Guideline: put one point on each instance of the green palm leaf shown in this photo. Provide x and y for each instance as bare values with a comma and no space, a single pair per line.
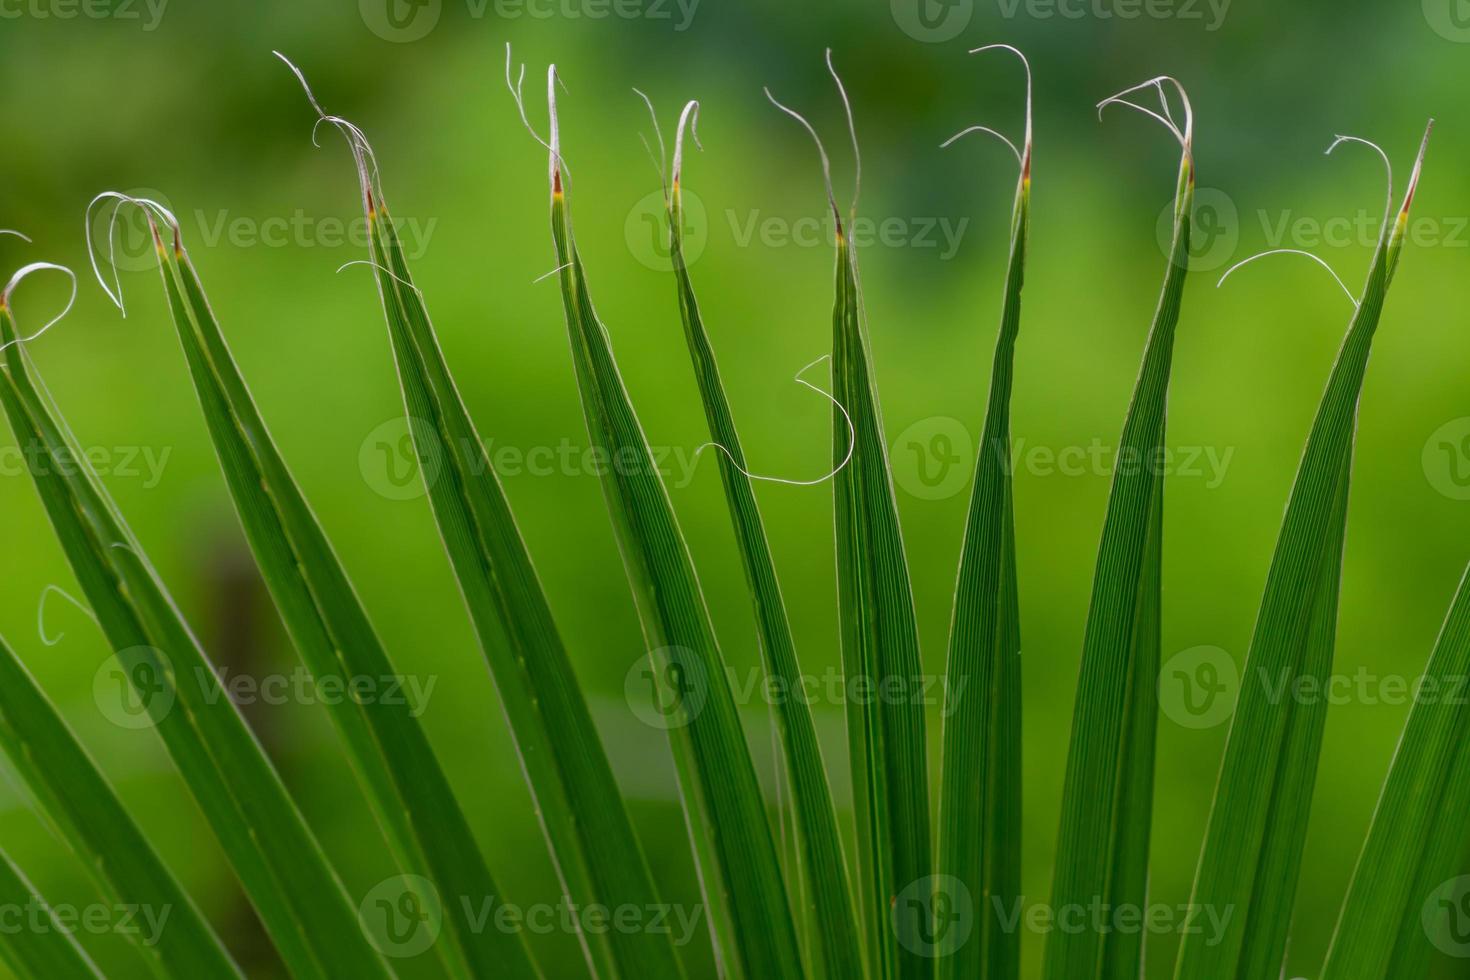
1418,832
880,640
1107,799
818,841
578,801
739,868
1251,858
980,796
78,802
42,947
386,743
285,874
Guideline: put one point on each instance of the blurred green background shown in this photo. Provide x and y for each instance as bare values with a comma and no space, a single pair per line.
187,101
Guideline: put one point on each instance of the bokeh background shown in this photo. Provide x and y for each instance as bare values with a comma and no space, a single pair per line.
184,99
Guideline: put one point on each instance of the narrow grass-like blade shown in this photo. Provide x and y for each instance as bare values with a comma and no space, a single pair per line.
282,867
78,802
1252,851
879,635
385,742
1107,798
41,948
579,805
819,843
980,794
739,868
1418,832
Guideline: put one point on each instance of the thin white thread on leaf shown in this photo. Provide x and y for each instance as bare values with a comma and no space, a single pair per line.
984,129
851,438
387,272
1387,167
1291,251
520,101
857,156
821,150
547,275
18,234
150,209
21,274
41,613
1020,158
657,158
363,157
1166,118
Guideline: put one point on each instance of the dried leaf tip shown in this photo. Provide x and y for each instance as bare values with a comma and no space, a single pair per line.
1023,154
363,157
20,275
1414,174
151,210
1184,135
688,118
554,156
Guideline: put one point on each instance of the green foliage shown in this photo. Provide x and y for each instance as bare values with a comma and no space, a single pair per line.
893,914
